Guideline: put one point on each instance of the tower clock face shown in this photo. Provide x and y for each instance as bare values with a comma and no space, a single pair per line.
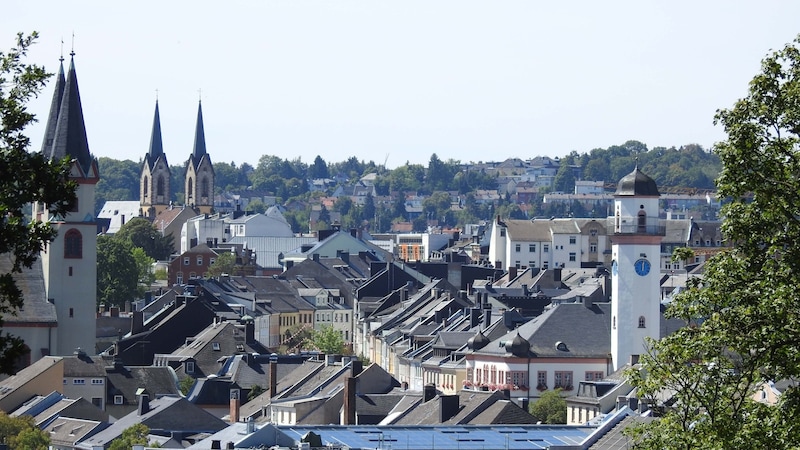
642,267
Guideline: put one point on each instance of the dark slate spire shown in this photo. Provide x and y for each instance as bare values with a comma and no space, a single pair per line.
55,107
199,136
70,133
156,146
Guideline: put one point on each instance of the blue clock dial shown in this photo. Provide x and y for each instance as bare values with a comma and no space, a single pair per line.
614,267
642,267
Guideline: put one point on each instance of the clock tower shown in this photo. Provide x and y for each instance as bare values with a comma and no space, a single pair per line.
635,274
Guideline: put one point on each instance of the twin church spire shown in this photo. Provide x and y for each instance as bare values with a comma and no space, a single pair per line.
155,184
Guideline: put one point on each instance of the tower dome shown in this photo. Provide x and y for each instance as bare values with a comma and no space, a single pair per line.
478,341
637,183
519,346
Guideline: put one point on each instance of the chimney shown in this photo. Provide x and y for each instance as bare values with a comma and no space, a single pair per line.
512,272
315,257
137,322
487,315
144,404
215,445
428,392
356,367
448,407
557,274
525,291
474,317
349,401
235,403
273,378
251,425
249,332
114,311
622,401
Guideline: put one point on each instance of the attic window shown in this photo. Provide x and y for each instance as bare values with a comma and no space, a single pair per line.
215,346
560,346
240,347
189,366
118,399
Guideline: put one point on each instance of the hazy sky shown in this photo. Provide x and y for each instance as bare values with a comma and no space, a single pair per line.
398,81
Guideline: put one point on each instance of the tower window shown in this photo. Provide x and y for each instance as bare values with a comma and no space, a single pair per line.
160,186
204,187
642,322
190,188
71,312
145,186
73,244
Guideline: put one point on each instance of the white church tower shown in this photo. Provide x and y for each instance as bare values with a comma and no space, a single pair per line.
635,274
70,262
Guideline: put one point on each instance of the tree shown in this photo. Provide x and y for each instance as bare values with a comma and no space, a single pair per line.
133,435
743,314
224,263
550,408
328,340
140,232
144,269
682,254
25,178
21,433
318,169
117,275
255,391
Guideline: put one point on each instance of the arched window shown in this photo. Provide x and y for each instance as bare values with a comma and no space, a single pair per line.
190,189
642,322
73,244
146,186
160,185
642,216
204,188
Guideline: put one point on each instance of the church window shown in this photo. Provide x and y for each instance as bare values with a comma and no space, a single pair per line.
71,312
190,188
146,186
160,186
642,216
642,322
204,188
73,244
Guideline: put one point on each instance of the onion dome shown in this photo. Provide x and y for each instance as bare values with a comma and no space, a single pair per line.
637,183
478,341
519,346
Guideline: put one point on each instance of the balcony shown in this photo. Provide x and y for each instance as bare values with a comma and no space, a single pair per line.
639,225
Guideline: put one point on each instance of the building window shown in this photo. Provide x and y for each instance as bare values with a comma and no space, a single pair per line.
97,381
614,322
641,322
546,248
592,248
73,244
215,346
189,366
98,402
517,247
541,379
572,240
502,232
572,256
185,260
594,375
79,381
545,265
179,278
532,264
211,261
199,260
71,312
70,270
593,232
563,380
118,399
517,264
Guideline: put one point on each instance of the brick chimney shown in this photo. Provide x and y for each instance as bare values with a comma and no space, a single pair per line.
273,378
349,401
235,404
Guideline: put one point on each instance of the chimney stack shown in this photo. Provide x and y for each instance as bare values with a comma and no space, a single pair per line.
273,378
448,407
349,401
428,392
144,404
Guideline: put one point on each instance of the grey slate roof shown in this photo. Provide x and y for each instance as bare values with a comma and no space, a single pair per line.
36,308
55,107
84,366
70,132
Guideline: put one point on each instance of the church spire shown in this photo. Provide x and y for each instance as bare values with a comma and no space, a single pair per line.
55,107
70,131
199,136
156,146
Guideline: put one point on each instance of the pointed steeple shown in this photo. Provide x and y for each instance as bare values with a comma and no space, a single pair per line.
199,136
55,107
70,133
156,147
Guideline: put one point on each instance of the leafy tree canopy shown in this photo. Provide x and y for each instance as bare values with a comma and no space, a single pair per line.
140,232
550,408
134,435
117,273
328,340
744,315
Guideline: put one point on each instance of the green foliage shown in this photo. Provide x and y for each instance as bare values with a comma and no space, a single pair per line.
682,254
25,178
133,435
224,263
328,340
185,385
550,408
256,205
21,433
140,232
119,181
144,269
745,322
255,391
160,274
117,273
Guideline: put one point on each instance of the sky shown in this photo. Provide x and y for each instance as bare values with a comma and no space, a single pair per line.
396,81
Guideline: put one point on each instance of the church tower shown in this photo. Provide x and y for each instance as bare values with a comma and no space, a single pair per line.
70,262
199,177
154,184
635,274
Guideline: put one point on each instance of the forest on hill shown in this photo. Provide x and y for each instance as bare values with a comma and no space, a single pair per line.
688,168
